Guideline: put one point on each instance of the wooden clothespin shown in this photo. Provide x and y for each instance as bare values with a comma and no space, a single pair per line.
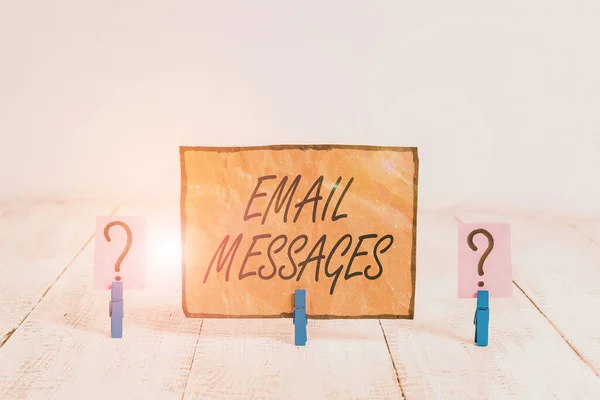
482,318
299,317
115,310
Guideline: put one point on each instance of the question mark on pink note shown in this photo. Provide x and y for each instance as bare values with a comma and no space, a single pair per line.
485,254
127,246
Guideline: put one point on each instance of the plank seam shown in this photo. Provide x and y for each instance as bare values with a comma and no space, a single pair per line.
567,341
581,357
583,233
12,331
393,362
187,378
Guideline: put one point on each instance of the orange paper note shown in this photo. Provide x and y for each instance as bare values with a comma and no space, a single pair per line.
260,222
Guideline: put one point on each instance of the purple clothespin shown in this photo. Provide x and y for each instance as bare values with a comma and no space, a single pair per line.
115,310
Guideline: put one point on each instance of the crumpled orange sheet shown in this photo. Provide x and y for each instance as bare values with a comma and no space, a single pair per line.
260,222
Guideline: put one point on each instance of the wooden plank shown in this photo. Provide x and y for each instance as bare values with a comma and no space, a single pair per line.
558,268
257,359
37,242
435,354
64,349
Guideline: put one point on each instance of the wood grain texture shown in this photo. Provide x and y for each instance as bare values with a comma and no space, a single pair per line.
435,354
558,268
37,242
257,359
63,350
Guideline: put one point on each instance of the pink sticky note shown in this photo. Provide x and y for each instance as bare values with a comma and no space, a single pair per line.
496,268
128,244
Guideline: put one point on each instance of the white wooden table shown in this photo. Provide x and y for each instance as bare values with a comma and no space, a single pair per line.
55,330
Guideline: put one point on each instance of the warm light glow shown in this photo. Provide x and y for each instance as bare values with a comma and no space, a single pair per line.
166,250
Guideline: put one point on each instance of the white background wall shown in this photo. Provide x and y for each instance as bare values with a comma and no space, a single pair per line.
501,97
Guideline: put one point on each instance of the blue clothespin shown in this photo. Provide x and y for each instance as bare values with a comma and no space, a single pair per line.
299,315
115,310
482,318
